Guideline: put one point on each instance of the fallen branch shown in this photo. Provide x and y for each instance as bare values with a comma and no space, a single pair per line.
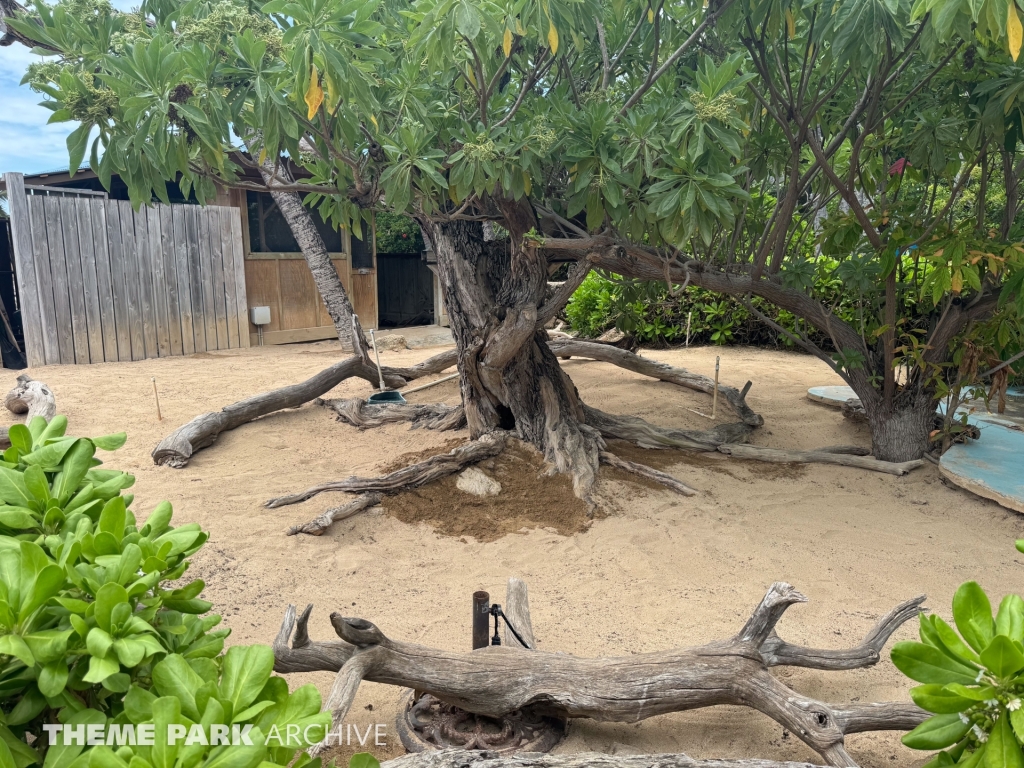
646,472
177,448
412,476
31,398
364,415
321,523
679,376
777,456
461,758
499,679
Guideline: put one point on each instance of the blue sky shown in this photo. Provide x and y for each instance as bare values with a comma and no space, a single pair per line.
27,143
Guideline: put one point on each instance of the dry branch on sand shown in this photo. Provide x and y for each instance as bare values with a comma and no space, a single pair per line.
31,398
460,758
592,426
501,679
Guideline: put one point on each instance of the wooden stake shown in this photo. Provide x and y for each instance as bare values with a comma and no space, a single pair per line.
689,317
156,396
714,397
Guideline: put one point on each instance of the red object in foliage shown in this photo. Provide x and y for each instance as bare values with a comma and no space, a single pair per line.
899,167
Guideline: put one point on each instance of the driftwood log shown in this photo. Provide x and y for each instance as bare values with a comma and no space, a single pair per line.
177,448
460,758
321,523
31,398
822,456
412,476
496,680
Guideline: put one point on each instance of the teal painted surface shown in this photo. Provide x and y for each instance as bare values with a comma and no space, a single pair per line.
995,463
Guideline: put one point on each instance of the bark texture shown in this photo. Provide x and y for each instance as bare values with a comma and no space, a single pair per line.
321,523
900,432
325,276
460,758
500,679
495,296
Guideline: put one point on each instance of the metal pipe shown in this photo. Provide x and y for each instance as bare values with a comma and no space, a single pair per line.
380,373
429,384
481,619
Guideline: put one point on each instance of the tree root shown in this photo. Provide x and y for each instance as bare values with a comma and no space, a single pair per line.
364,415
177,448
412,476
31,398
499,679
321,523
679,376
819,457
646,472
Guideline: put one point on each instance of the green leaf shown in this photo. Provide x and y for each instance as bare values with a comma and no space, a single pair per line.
52,678
1002,657
925,664
363,760
467,21
13,489
18,518
937,732
20,438
13,645
1003,751
939,699
110,442
76,463
174,677
246,670
972,614
101,667
112,518
107,599
78,141
1010,618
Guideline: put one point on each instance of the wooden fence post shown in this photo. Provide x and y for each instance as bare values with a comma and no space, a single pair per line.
28,295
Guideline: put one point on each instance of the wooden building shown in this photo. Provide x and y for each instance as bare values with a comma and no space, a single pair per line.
275,273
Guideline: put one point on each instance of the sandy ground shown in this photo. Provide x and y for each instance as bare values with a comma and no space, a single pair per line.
659,571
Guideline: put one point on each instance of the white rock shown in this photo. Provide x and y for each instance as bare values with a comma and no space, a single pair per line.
475,481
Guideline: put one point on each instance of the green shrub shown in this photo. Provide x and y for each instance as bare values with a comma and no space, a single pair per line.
647,311
397,234
973,682
93,631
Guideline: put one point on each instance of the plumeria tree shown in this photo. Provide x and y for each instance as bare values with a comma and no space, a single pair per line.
744,146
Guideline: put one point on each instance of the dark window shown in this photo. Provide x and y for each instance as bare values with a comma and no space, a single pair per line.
362,250
270,233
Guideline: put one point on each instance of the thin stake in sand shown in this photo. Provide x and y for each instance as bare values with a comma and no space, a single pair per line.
156,396
714,394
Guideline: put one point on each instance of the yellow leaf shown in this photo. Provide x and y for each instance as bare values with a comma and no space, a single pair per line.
1014,31
957,282
519,28
471,76
314,94
790,23
263,156
553,38
650,15
452,195
374,121
506,42
527,184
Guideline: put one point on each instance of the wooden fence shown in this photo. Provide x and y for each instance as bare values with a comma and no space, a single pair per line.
99,282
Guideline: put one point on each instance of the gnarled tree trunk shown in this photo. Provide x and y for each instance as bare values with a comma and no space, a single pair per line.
899,429
510,379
